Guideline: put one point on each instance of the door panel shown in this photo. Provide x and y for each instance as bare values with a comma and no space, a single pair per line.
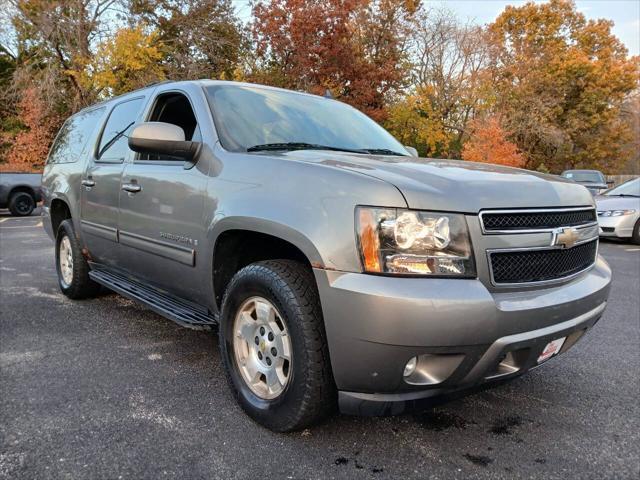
161,226
100,185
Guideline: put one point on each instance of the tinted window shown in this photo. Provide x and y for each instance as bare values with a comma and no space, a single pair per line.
249,116
73,139
113,144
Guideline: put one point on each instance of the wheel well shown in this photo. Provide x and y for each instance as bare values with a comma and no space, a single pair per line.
24,189
59,211
235,249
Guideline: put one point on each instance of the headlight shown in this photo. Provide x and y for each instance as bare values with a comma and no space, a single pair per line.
411,242
615,213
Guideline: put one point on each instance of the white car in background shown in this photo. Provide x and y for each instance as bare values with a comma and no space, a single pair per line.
619,211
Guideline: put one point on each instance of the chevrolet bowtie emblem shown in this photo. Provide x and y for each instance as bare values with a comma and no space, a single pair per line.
564,237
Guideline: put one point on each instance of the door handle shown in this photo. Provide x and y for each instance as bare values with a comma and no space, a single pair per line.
131,187
88,183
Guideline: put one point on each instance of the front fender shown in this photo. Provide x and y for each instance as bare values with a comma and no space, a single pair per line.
268,227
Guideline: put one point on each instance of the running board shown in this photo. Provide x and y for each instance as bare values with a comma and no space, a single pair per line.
184,313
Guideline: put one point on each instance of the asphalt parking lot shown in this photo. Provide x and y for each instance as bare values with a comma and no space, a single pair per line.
104,388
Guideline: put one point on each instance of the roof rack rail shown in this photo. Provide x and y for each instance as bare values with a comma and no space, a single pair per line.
157,82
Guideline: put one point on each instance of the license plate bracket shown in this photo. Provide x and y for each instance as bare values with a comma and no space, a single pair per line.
551,349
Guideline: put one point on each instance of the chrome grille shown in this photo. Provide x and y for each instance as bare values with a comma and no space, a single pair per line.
541,265
513,220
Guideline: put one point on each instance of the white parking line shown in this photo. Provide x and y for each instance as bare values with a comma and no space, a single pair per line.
632,249
20,219
24,226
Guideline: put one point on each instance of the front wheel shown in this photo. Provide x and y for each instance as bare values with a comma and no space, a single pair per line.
273,345
71,266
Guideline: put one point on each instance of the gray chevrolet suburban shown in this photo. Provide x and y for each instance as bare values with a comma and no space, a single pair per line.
338,268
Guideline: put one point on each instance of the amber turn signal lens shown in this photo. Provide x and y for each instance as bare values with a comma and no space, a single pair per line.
369,241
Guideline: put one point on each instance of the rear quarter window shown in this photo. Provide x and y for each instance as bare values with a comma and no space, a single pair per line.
76,136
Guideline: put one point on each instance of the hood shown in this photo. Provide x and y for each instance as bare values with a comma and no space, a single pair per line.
457,186
606,202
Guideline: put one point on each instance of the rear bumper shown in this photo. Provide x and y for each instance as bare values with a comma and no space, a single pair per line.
376,324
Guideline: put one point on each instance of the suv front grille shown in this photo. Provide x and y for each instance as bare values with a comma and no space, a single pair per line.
541,265
536,220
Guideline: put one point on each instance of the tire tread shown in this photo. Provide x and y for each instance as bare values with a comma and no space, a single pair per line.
296,286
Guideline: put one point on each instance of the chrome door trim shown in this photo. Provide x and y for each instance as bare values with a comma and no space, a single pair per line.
178,253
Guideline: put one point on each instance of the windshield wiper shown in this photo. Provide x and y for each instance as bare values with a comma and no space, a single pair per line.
623,195
300,146
384,151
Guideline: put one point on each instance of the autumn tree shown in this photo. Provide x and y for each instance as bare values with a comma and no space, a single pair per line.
354,48
559,82
58,36
488,143
630,114
53,47
130,60
199,38
30,146
414,121
448,62
10,124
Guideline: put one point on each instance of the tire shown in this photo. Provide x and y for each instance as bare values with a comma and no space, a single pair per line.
21,204
309,394
635,236
77,284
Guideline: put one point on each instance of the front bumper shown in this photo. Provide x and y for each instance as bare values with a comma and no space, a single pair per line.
375,324
618,227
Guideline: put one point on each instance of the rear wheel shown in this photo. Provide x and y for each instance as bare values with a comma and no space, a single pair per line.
21,204
72,267
273,345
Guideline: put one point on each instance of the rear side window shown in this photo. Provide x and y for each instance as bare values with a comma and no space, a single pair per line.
73,138
113,144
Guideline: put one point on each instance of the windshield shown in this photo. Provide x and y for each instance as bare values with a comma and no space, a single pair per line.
584,177
632,187
247,117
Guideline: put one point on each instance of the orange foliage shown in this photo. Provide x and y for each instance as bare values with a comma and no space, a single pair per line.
351,47
31,146
489,144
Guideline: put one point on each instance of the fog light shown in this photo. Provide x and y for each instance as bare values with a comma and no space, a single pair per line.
410,367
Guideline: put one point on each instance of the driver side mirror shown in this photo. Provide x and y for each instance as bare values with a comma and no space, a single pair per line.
161,138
